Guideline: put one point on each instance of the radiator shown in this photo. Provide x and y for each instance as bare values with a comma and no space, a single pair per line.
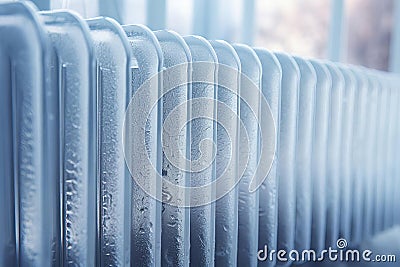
122,146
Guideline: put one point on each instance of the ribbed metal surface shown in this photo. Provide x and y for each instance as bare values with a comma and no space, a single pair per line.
202,219
77,189
114,190
146,61
74,72
226,210
287,152
175,234
268,195
248,202
305,131
26,180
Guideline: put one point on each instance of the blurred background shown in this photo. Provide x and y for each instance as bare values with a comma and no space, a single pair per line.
362,32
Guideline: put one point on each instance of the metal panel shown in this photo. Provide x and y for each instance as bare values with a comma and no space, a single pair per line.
27,155
248,207
394,80
268,195
358,161
73,71
147,61
286,152
334,152
371,150
114,184
380,158
389,162
394,151
305,130
226,211
319,156
347,146
385,125
202,223
175,220
7,208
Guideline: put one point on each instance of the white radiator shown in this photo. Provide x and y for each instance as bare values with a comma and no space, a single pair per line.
122,146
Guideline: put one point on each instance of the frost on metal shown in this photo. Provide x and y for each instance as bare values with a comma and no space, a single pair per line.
333,157
248,205
112,53
226,210
268,195
346,145
287,151
26,235
305,131
88,179
359,169
202,219
146,62
175,234
319,155
72,75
